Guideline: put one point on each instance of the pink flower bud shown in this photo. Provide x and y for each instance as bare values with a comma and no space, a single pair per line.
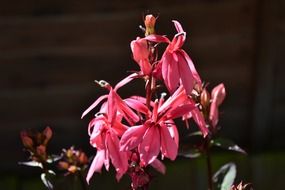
47,135
27,141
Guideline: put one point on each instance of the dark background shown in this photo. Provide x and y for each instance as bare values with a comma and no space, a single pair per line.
51,51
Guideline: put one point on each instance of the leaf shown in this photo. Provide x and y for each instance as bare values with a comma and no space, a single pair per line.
227,144
46,181
32,164
197,133
190,153
226,174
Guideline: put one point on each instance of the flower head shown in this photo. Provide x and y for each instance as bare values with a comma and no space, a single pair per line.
158,133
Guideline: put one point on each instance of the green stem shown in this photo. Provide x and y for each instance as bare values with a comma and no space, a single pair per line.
82,181
209,168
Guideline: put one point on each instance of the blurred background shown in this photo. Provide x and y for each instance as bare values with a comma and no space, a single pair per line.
51,52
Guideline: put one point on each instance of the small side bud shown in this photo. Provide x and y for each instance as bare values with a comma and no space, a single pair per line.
48,134
205,98
27,141
149,23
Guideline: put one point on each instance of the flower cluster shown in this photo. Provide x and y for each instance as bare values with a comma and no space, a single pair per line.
35,143
131,133
72,160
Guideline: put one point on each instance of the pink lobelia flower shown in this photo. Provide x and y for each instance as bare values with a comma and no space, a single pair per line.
106,128
158,133
175,66
218,95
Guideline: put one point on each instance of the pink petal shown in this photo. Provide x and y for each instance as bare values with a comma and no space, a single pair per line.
185,74
159,166
127,112
150,145
177,98
119,159
125,81
192,67
140,49
179,111
173,132
132,137
157,38
94,105
214,114
177,42
200,120
170,72
96,165
178,26
168,146
112,107
218,94
145,66
137,105
119,128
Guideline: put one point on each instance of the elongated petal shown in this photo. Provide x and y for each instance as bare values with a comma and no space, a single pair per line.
132,137
218,94
186,76
168,146
137,105
150,145
96,165
179,111
140,49
118,158
170,72
159,166
173,131
127,112
125,81
145,66
177,98
214,114
178,26
94,105
112,107
177,42
192,67
157,38
119,128
200,121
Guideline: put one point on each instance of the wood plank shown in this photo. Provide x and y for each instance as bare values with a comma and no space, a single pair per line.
96,30
53,7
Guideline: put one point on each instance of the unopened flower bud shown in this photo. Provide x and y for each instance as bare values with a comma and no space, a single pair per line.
149,23
205,98
83,158
47,134
28,142
63,165
41,150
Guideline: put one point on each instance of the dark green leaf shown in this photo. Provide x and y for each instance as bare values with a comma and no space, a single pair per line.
225,176
227,144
